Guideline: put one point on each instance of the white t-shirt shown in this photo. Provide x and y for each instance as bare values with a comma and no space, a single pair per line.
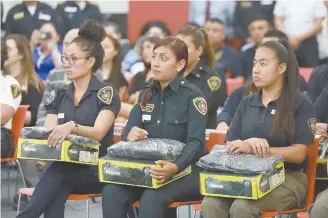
299,15
322,39
10,94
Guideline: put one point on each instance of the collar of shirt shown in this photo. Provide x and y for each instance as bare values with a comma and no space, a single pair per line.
174,84
94,85
256,100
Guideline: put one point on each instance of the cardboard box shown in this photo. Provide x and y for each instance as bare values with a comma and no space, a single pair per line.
132,172
243,186
34,149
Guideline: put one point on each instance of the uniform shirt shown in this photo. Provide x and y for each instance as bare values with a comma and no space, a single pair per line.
231,105
246,10
71,15
20,21
178,113
321,107
253,119
318,81
213,87
10,94
299,15
224,59
97,97
44,63
243,65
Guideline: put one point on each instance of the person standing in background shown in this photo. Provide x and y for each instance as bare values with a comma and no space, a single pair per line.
73,13
28,16
301,21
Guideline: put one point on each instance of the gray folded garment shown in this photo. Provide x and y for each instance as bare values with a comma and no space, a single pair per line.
41,133
148,149
220,160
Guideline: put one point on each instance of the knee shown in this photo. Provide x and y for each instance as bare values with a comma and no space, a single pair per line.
210,203
240,206
155,197
320,205
112,193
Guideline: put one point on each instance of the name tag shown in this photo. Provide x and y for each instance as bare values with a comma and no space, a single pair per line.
70,9
146,117
61,116
18,15
46,17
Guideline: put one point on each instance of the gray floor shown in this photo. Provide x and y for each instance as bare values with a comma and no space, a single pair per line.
73,208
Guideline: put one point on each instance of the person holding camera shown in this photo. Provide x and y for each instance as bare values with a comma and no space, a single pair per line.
47,55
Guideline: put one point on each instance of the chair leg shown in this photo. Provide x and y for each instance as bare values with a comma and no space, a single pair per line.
21,173
194,214
8,180
177,211
135,212
88,207
19,202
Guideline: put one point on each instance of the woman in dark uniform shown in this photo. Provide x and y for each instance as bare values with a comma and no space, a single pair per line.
85,107
276,120
179,112
199,70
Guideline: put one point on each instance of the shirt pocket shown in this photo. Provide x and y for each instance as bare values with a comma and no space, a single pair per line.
176,125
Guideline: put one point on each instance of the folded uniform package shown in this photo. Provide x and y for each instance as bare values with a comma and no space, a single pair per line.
132,172
75,149
239,175
322,162
149,149
129,163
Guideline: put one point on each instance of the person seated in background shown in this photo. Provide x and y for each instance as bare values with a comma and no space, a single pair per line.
224,54
10,99
132,62
112,28
230,107
301,21
258,26
141,79
199,70
47,55
277,120
318,81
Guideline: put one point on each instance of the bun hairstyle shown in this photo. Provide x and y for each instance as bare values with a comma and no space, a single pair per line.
284,122
89,38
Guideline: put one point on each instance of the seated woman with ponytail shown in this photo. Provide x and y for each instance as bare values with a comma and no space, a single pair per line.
169,108
199,70
278,119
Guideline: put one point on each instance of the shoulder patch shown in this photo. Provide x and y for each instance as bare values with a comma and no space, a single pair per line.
105,94
15,90
51,97
200,104
312,125
214,83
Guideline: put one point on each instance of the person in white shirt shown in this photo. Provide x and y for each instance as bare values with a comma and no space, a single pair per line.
301,21
323,39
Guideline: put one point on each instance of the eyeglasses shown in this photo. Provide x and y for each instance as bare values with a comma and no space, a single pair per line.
71,60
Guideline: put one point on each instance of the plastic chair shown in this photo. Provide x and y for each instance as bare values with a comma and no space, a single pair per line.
233,84
311,171
306,72
72,197
17,125
118,131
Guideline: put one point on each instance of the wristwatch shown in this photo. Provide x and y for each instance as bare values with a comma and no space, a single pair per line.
74,123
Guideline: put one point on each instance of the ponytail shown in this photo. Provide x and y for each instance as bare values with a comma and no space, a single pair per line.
208,54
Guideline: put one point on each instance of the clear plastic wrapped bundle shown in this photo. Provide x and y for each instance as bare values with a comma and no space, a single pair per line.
220,160
323,149
41,133
35,132
148,149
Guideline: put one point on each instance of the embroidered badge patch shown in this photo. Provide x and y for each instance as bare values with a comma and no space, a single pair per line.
15,90
200,105
105,94
148,108
312,125
50,98
214,83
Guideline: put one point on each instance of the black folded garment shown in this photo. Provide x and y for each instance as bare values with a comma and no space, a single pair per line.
220,160
149,149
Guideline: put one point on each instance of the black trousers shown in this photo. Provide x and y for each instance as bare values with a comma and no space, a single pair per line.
56,184
308,53
153,202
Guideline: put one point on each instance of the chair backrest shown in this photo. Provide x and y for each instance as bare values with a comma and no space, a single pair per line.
306,72
233,83
214,137
118,131
17,125
311,170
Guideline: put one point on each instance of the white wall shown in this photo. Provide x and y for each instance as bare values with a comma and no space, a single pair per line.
107,6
